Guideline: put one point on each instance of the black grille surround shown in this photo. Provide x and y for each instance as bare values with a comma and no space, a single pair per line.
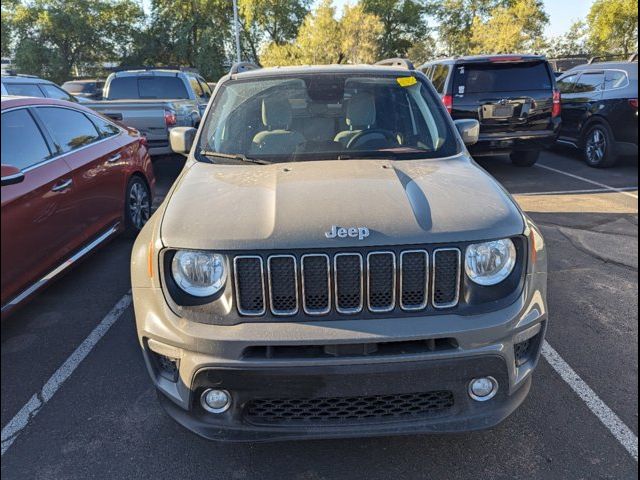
316,301
348,410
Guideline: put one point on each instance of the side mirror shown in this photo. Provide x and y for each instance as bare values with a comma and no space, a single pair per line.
181,139
11,175
469,131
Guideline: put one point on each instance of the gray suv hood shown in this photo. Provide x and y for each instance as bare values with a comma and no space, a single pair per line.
288,206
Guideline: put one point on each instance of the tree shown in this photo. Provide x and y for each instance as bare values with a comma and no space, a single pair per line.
53,36
360,32
613,26
6,30
456,19
403,21
573,42
322,39
194,33
279,20
517,28
423,51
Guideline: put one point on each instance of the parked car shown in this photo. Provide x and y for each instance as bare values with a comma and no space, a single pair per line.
71,180
89,89
331,262
600,111
153,101
514,97
32,86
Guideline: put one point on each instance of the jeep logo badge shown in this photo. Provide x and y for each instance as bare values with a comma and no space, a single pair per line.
353,232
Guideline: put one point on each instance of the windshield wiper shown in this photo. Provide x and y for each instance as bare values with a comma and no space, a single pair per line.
234,156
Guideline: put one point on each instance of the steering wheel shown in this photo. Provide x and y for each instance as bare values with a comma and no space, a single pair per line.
357,138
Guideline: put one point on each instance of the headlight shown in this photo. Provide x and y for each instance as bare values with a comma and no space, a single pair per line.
198,273
489,263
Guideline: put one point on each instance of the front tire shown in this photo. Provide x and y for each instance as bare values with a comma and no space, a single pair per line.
137,208
526,158
598,146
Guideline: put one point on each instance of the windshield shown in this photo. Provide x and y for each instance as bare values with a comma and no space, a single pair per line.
502,77
327,116
147,87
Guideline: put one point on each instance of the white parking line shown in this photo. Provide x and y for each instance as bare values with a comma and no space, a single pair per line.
12,429
593,182
588,190
609,419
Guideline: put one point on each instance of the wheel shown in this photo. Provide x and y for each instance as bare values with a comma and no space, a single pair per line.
526,158
598,146
137,209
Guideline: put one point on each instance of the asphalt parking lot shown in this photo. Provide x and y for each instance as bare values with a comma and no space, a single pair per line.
102,420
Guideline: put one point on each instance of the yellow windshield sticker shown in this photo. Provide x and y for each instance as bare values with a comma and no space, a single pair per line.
406,81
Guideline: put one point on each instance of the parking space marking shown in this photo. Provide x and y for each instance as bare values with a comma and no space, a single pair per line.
588,190
593,182
609,419
12,429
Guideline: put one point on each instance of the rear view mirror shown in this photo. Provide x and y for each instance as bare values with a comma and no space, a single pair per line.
469,131
181,139
11,175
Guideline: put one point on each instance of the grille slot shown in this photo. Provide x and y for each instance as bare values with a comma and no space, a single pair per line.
283,287
347,410
316,284
249,282
381,278
446,277
414,271
348,282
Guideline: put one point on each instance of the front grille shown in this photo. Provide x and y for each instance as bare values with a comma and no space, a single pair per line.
346,410
347,283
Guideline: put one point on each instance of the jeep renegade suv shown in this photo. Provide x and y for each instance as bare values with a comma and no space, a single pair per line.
331,262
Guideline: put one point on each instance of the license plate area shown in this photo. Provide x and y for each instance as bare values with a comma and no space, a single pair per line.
497,111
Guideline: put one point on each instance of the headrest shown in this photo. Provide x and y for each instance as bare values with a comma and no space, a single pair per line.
361,110
276,113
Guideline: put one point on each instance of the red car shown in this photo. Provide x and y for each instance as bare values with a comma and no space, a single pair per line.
71,180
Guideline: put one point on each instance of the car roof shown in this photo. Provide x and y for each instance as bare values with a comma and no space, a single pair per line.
482,58
13,101
24,79
311,69
84,80
155,72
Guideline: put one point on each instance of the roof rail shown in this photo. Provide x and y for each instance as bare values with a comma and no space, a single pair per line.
125,68
396,62
242,67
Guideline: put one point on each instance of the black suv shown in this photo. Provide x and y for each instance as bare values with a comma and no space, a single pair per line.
513,96
600,111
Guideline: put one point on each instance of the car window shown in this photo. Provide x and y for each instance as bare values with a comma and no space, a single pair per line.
501,77
615,79
440,74
18,125
79,87
205,87
53,91
328,116
567,84
151,87
196,87
24,90
589,82
106,128
69,128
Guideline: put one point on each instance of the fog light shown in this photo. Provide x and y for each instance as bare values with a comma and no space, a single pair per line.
483,389
215,401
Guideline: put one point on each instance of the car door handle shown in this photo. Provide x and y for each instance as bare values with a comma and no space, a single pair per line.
115,158
64,185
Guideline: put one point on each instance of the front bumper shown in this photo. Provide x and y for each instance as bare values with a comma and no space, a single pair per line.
212,356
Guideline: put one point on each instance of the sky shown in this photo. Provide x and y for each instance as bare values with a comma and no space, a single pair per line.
562,13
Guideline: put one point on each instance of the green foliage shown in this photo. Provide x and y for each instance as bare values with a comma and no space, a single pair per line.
516,28
276,20
613,26
574,42
456,19
53,36
6,29
322,39
404,24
